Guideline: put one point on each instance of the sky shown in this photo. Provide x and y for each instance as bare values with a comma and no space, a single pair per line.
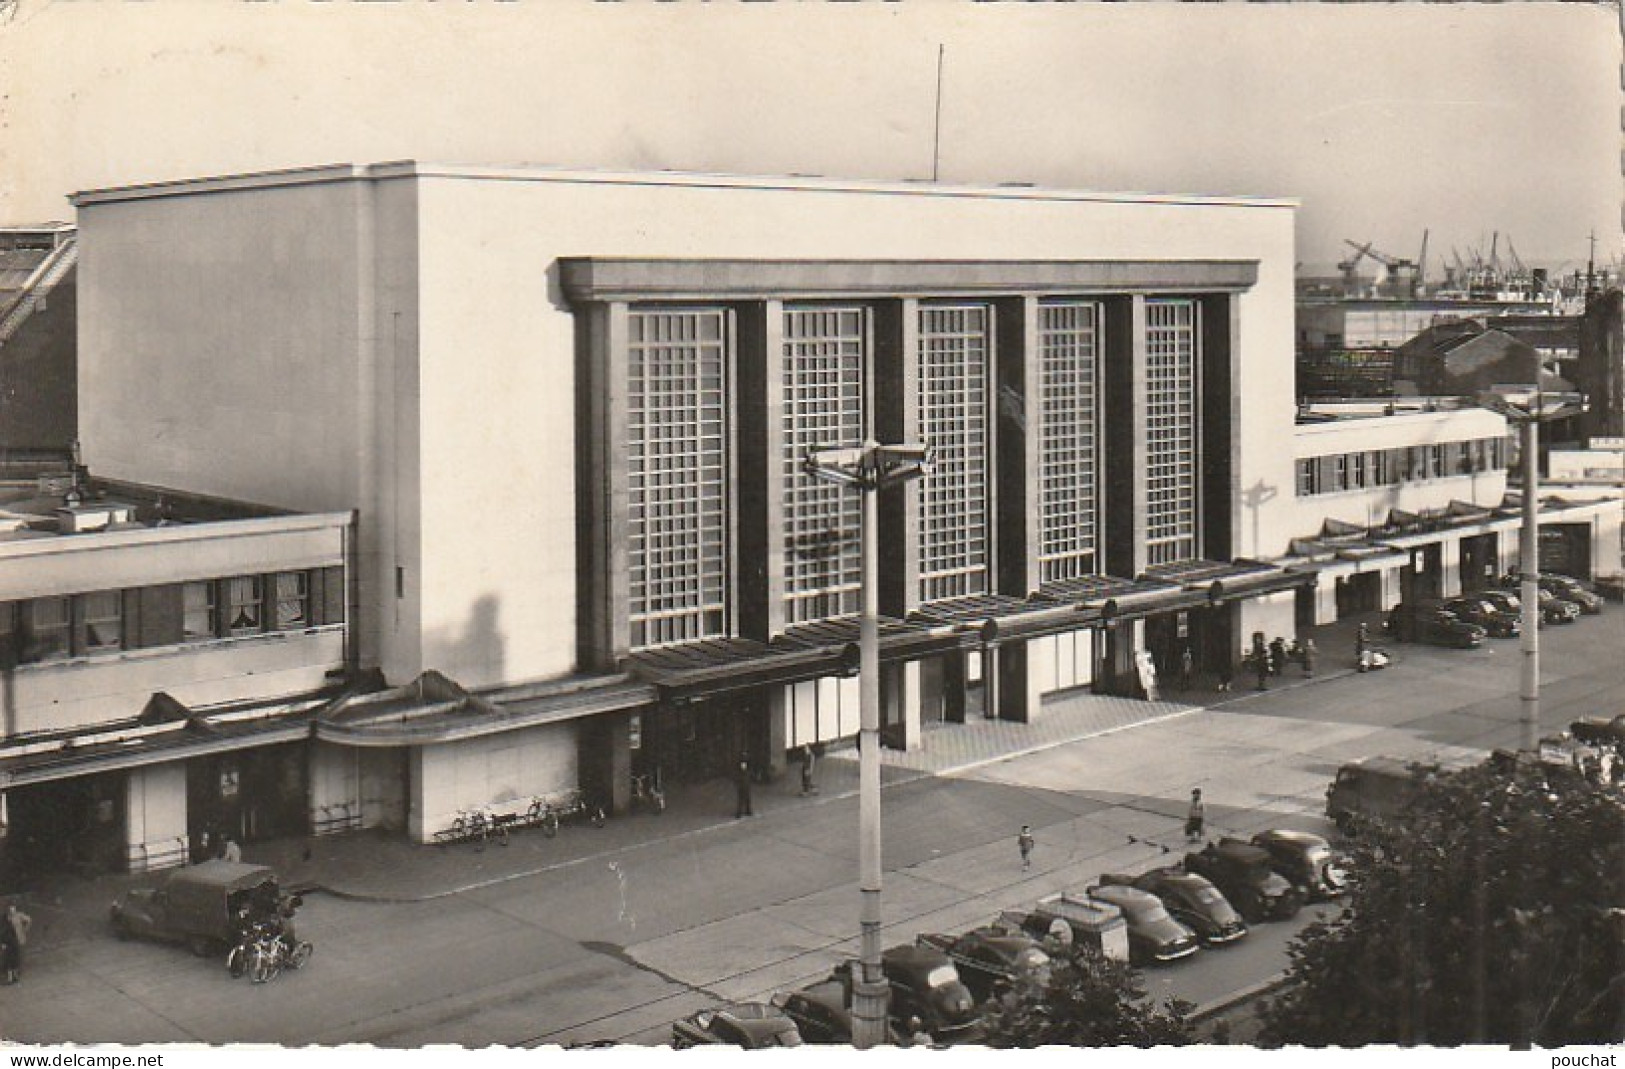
1384,120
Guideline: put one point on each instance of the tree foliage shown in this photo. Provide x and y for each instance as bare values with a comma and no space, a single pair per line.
1491,910
1088,1001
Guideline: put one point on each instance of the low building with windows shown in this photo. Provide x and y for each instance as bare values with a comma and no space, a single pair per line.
1407,499
571,410
161,656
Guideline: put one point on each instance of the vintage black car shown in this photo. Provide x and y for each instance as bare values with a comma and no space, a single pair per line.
1498,623
823,1014
1306,860
201,905
926,988
1191,900
750,1025
1153,935
991,960
1434,625
1553,610
1242,872
1567,588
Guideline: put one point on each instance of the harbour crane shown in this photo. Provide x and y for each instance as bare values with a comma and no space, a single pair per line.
1351,280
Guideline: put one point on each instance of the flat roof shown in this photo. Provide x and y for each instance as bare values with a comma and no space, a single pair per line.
343,172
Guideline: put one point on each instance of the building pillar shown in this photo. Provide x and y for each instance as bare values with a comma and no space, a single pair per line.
778,729
900,704
1450,567
1019,671
1123,441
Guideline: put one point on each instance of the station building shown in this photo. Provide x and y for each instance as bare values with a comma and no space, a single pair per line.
568,413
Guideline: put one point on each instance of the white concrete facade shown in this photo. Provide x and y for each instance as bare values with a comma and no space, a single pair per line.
427,379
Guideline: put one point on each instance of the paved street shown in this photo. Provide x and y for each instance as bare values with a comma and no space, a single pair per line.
611,934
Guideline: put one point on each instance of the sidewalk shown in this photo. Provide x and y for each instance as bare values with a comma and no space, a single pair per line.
386,867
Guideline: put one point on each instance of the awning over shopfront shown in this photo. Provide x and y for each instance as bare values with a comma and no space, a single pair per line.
433,709
1221,581
991,618
165,731
900,640
717,666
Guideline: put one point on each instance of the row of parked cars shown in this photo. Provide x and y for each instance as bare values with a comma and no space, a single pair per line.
1465,621
940,983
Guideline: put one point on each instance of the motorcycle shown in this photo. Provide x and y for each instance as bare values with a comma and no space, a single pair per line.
1371,659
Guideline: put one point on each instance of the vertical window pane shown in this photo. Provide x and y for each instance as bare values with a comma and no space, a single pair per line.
197,618
955,354
243,605
1172,460
50,626
825,351
104,620
292,601
1068,353
677,475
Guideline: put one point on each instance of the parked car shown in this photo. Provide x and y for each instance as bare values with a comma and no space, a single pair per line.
1567,588
1306,860
1375,787
991,960
1599,730
749,1025
1609,587
1242,873
1153,935
1068,919
199,905
925,987
1498,623
1553,610
1191,900
1431,623
823,1014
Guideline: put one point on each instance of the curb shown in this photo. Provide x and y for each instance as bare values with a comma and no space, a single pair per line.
1235,998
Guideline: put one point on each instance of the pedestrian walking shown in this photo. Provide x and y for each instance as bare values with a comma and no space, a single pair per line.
742,788
1195,817
230,851
1361,639
808,757
1187,662
1277,655
1226,675
14,925
1024,843
1308,658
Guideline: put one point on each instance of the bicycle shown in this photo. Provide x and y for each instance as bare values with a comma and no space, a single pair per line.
646,792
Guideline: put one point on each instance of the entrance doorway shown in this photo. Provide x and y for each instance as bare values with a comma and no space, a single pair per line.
1480,557
250,795
66,825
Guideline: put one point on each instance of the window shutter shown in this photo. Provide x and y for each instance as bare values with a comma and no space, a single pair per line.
159,615
333,594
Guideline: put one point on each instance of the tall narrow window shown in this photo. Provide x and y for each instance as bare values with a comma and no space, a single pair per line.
677,475
1068,353
1172,459
50,629
825,350
244,598
955,352
292,601
197,613
104,620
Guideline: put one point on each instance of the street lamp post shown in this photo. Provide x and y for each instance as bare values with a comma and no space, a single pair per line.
868,468
1527,407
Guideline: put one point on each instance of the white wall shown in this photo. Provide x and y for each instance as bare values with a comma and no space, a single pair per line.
115,686
402,348
155,816
493,768
1302,517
